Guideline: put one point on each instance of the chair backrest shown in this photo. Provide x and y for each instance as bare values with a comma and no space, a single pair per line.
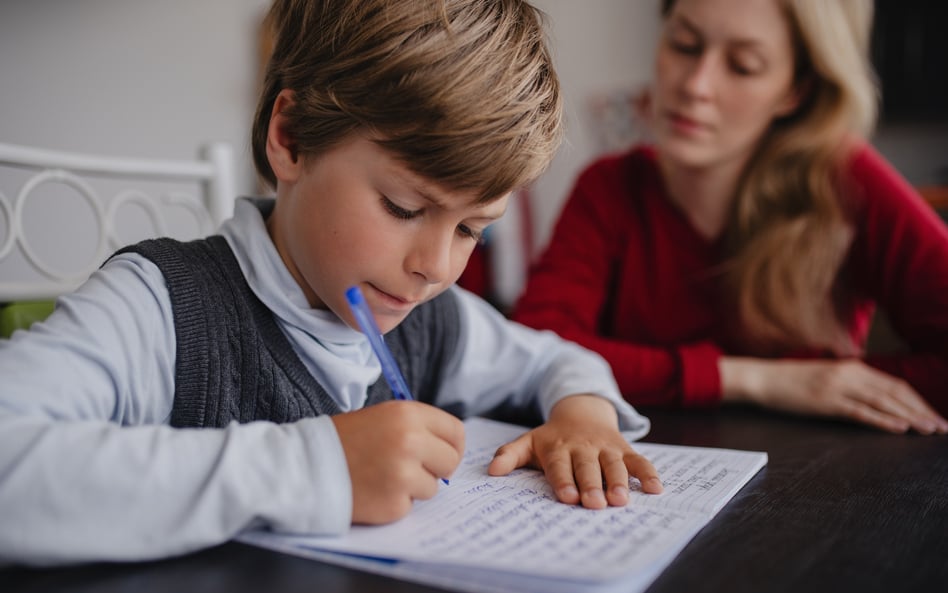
62,213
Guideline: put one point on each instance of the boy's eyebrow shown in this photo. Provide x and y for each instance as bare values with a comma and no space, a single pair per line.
439,204
421,188
427,195
417,185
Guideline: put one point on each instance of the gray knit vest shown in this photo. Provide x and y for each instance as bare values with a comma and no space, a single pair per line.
233,360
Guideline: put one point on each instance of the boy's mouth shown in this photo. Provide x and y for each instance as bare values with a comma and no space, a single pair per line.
393,302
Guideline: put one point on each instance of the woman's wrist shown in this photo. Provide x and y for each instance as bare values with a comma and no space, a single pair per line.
742,379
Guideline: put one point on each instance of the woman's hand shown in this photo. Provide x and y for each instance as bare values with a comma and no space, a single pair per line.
396,452
840,388
579,449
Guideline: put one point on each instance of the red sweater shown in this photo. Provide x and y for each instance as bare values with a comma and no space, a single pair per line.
626,275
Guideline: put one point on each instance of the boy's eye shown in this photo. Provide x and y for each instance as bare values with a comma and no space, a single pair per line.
397,211
466,231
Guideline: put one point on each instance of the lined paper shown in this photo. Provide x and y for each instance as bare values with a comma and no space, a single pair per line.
514,529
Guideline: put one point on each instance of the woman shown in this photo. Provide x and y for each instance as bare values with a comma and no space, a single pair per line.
742,256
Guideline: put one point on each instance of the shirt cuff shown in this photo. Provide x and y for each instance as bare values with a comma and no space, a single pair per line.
324,505
700,375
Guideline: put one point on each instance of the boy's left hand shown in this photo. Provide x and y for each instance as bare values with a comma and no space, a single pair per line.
580,448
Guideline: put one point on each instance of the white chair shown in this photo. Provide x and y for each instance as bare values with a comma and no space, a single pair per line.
62,213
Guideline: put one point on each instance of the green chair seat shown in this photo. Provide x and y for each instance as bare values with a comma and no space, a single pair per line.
21,315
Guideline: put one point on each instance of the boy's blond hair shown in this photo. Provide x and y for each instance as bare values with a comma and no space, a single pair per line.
463,91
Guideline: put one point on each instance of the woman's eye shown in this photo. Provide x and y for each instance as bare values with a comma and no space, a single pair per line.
690,49
743,68
466,231
684,42
397,211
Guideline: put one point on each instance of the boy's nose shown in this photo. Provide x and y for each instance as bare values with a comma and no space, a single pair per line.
430,257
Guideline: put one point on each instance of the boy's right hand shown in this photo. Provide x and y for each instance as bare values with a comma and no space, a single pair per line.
396,452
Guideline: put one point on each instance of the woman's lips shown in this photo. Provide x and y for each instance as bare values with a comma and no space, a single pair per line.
684,124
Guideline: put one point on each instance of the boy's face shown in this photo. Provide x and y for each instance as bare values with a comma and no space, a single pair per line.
358,216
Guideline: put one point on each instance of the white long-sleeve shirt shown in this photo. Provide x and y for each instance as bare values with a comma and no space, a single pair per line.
91,470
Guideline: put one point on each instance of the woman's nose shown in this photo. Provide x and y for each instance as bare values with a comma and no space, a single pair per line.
700,78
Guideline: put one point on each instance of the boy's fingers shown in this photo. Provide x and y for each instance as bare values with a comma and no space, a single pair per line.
509,457
642,469
440,458
559,473
588,476
616,476
425,485
446,427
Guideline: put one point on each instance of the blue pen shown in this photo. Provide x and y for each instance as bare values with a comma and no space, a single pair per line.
366,321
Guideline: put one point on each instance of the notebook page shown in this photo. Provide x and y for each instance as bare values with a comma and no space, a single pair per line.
514,523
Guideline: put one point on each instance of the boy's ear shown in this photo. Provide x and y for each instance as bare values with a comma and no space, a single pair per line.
281,146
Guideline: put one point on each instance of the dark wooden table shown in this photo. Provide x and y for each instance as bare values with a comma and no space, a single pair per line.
838,508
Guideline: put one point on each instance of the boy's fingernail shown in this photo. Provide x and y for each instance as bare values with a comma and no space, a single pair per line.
594,496
655,483
568,493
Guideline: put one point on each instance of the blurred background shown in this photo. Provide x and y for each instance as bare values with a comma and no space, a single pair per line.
160,79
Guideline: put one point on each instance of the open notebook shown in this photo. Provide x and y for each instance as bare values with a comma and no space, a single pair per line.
509,534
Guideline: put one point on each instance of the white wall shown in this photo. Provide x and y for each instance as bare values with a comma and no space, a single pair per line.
130,77
599,46
158,79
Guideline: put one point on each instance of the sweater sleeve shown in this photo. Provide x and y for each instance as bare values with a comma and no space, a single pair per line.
571,290
900,256
501,363
89,468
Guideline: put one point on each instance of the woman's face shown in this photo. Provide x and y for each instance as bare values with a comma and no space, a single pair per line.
724,70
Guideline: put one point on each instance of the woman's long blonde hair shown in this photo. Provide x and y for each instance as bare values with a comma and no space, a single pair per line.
789,232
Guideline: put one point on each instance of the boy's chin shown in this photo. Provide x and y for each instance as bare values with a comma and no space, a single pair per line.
389,322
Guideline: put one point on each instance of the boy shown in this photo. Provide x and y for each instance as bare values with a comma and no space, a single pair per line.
393,132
